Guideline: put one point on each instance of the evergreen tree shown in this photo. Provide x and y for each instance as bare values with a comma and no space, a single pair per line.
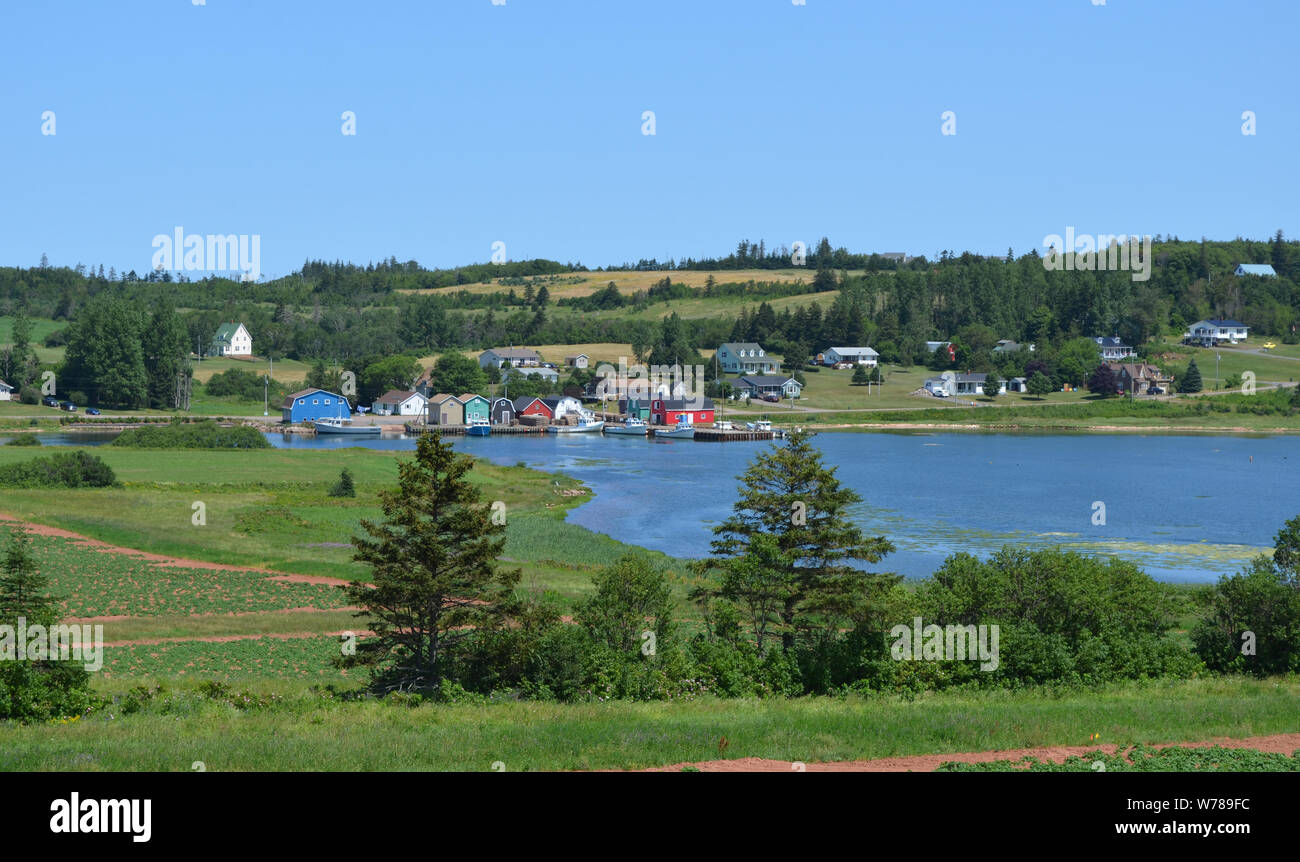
164,344
344,487
434,579
992,384
104,357
860,376
1191,379
791,531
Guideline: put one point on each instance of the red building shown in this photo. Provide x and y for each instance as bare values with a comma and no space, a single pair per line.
665,411
532,407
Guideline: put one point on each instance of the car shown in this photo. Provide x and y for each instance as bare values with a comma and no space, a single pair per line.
50,401
1155,390
68,406
773,398
92,411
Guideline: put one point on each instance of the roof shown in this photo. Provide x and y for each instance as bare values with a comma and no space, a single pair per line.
554,400
226,331
522,403
1110,341
441,397
977,377
577,355
1256,269
767,379
514,352
294,396
1135,369
4,385
495,401
1006,345
686,404
849,351
737,346
395,396
1226,324
470,396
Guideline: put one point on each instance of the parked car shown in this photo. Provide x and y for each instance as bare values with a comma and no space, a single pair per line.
773,398
68,406
92,411
50,401
840,366
1155,390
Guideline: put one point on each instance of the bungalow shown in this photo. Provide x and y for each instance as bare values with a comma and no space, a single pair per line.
532,407
446,409
745,357
232,339
1137,377
698,411
476,407
550,375
1262,270
1113,348
308,404
1006,345
561,406
502,411
396,402
518,357
961,384
582,360
758,385
1208,333
856,355
6,391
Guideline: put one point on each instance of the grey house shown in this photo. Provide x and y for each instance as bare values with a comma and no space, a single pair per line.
745,357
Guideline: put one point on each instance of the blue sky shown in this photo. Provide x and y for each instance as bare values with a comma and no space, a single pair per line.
522,123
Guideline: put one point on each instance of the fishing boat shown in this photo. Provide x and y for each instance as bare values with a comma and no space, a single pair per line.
632,427
339,425
682,431
585,423
478,427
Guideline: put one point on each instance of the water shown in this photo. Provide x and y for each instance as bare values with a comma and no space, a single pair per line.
1186,508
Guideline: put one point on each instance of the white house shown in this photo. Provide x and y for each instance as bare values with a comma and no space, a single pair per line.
563,405
745,357
550,375
1263,270
582,360
1112,349
232,339
519,357
1208,333
856,355
961,384
6,391
397,402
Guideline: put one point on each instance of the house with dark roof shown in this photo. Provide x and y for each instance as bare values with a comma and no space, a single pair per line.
1209,333
308,404
518,357
1136,378
232,339
1112,348
398,402
745,357
502,411
528,406
758,385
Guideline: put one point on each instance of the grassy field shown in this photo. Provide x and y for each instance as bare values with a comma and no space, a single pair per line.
576,284
41,327
285,724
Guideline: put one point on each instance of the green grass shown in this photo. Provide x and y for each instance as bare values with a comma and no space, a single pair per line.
1146,759
301,729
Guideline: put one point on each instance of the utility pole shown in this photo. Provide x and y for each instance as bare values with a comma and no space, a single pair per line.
266,389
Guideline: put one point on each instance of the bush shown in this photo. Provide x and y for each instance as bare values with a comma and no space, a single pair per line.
63,470
196,435
344,487
24,440
29,395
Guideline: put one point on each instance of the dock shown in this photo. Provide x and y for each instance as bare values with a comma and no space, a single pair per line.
454,430
715,435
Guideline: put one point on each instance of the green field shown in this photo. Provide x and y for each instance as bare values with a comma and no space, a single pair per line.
286,724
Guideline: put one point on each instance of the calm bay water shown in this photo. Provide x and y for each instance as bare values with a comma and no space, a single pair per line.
1186,508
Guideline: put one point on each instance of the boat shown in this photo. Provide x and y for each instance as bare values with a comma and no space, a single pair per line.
722,425
478,427
632,427
682,431
338,425
585,423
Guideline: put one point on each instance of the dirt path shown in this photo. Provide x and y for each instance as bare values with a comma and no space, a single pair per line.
1282,743
159,559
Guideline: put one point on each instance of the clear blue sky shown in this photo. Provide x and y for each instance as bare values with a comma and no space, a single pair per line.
522,123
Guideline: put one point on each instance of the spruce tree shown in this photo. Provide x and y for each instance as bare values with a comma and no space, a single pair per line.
434,579
791,534
1191,380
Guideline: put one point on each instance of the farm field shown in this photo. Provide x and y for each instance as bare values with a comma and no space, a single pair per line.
575,284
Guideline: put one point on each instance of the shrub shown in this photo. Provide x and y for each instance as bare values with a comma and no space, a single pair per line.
24,440
344,486
197,435
63,470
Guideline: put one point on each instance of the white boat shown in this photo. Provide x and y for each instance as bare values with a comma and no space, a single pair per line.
632,427
723,425
682,431
338,425
478,427
584,424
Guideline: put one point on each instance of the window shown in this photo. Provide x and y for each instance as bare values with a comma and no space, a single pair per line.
315,401
302,400
327,401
